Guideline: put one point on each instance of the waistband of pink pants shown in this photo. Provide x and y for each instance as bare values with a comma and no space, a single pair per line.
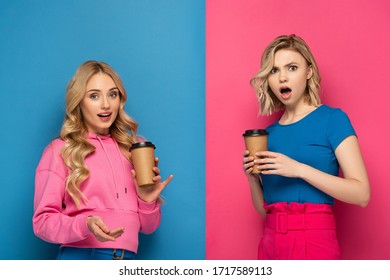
283,217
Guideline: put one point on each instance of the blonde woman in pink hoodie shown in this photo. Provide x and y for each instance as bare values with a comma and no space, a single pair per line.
86,198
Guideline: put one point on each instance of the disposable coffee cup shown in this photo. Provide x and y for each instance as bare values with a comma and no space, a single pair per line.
142,155
256,140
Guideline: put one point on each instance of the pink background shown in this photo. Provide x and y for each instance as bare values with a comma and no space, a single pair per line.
350,40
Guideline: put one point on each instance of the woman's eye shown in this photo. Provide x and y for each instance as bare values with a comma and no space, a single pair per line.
113,94
274,70
94,96
293,68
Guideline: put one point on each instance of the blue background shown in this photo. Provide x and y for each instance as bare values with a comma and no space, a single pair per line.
158,48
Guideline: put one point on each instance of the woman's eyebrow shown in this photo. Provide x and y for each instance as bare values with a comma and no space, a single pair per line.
291,63
93,90
98,90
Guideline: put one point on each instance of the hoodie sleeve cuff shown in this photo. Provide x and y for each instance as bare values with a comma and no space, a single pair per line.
82,225
147,207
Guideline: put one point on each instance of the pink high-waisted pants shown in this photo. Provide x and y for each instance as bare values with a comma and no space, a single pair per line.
298,231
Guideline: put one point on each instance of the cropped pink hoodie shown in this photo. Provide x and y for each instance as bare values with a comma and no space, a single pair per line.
110,191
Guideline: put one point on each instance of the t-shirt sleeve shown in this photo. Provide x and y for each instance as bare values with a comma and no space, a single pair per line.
339,128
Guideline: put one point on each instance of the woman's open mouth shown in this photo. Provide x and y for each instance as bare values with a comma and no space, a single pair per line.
285,92
105,116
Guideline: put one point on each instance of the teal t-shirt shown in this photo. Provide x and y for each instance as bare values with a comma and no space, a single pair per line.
313,141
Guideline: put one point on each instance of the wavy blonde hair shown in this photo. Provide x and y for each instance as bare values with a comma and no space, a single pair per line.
268,102
74,130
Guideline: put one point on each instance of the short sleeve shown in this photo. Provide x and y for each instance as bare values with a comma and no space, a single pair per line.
339,127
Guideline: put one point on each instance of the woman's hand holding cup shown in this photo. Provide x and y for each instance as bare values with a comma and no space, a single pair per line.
152,192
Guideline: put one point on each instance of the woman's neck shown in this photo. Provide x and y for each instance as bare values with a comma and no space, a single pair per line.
294,114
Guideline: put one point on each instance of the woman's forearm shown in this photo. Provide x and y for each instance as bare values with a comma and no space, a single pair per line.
257,194
349,190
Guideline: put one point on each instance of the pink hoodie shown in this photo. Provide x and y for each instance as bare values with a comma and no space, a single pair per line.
110,191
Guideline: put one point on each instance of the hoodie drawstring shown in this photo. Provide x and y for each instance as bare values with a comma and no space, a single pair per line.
111,166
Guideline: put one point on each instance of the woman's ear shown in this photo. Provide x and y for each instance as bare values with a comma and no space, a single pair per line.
309,72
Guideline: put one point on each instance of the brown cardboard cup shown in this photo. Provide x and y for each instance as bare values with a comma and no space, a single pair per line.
256,140
142,155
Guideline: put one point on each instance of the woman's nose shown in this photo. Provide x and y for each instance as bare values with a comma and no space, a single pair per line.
282,76
105,103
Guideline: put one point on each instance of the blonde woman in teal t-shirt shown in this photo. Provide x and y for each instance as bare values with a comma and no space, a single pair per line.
299,174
